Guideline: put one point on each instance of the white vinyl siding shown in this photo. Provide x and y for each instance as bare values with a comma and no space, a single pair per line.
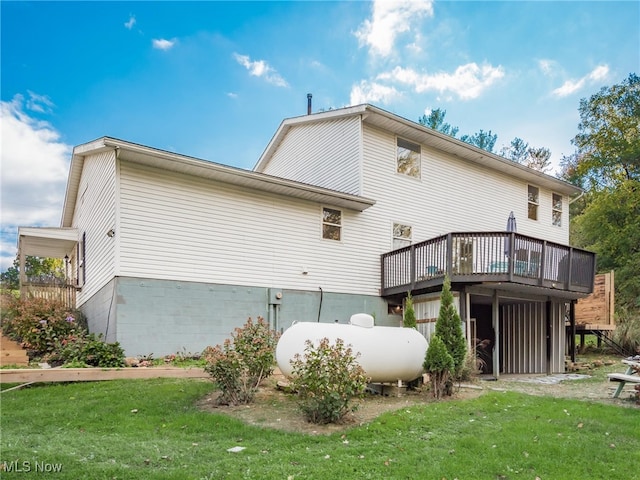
184,228
453,196
326,154
94,216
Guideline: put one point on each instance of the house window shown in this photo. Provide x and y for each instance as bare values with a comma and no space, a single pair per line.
533,202
331,224
556,212
408,158
401,235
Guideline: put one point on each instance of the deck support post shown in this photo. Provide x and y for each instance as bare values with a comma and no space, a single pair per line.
495,317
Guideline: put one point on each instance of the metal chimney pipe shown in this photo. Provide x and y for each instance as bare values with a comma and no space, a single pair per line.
309,103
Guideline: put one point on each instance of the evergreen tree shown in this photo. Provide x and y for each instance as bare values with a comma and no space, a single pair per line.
409,320
439,365
449,329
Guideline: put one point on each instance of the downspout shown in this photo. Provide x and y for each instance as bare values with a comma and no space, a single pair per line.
320,307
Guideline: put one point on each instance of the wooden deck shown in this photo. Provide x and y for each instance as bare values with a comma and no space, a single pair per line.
24,375
487,257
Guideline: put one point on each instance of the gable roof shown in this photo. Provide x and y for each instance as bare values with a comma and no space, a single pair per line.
400,126
143,155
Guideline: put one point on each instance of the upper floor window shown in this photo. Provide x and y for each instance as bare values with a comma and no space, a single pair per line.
533,202
331,224
408,158
401,235
556,212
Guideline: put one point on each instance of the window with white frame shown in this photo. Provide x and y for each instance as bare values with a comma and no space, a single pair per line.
533,200
331,224
401,235
408,158
556,212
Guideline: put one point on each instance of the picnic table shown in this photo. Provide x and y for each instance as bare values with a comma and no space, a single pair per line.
633,365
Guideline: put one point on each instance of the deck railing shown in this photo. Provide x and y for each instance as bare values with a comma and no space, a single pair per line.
474,257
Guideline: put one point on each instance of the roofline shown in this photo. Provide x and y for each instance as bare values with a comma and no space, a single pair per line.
462,150
141,154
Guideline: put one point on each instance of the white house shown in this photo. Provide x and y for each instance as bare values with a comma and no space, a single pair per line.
346,211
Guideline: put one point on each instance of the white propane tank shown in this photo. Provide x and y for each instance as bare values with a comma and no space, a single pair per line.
387,354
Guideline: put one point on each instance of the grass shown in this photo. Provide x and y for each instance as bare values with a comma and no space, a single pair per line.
151,429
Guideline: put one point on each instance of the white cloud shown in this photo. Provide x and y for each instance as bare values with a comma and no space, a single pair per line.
33,172
39,103
601,72
467,81
232,95
372,92
388,20
260,68
130,23
548,67
163,43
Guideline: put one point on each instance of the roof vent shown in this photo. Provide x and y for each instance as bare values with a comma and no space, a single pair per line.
309,96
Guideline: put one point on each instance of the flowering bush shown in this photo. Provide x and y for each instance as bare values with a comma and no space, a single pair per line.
38,323
327,378
242,362
56,334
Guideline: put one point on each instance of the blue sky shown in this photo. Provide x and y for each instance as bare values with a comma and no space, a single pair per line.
215,79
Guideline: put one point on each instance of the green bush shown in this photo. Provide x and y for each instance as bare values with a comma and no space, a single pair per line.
409,319
439,364
37,324
242,362
627,332
56,334
449,328
91,351
327,378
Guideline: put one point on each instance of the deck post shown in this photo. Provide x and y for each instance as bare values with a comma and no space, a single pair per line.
495,317
547,324
572,323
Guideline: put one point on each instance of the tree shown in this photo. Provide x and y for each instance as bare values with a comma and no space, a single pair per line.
435,121
409,320
608,141
516,151
439,365
533,157
610,226
538,159
52,268
606,164
449,328
482,139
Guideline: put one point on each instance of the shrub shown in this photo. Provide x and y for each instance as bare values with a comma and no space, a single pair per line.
327,378
242,362
38,323
439,364
627,332
409,320
449,328
54,333
91,351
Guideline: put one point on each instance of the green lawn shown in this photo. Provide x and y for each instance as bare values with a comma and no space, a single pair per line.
150,429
